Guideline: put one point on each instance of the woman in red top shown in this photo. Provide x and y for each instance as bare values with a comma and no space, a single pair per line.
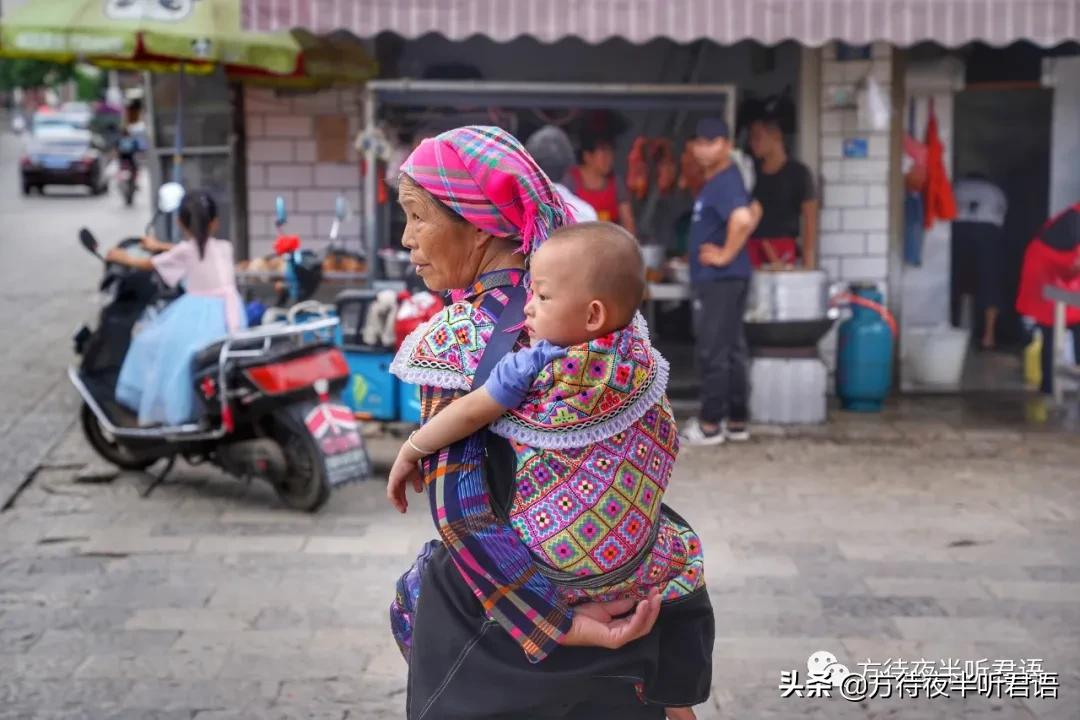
594,181
1052,258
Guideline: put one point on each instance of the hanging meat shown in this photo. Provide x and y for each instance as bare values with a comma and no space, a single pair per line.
637,172
691,178
666,172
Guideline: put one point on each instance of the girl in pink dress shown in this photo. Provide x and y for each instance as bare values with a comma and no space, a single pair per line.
155,379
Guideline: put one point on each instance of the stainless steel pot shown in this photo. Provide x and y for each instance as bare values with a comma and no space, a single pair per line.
786,295
653,256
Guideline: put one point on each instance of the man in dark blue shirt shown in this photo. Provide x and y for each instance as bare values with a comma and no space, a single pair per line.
723,219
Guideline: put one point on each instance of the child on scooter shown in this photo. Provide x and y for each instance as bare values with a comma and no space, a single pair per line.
155,379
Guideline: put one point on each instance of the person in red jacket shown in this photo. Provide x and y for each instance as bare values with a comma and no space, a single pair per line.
1052,258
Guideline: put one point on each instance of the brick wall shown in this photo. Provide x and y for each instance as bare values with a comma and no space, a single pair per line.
855,191
281,160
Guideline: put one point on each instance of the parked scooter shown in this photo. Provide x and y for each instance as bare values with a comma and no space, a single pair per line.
268,396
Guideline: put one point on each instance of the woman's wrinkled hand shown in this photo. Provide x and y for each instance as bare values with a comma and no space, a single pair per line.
404,471
607,625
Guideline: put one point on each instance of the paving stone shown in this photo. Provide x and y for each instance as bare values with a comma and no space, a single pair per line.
38,667
18,639
866,606
149,595
194,695
303,665
364,545
162,666
1054,573
1065,592
929,628
277,712
314,618
918,587
204,619
248,642
230,545
84,619
67,694
75,643
122,543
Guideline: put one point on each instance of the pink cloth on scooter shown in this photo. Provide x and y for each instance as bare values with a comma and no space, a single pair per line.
213,275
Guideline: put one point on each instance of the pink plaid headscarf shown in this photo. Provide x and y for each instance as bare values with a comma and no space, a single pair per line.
487,177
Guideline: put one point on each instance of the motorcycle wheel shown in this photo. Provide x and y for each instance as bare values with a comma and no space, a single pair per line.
129,195
107,447
305,486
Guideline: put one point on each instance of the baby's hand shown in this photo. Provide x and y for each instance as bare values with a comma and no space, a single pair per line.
680,714
514,374
543,354
403,471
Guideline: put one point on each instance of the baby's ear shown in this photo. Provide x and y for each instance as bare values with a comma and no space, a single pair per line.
597,316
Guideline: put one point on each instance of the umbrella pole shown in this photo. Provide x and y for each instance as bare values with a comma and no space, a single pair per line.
178,154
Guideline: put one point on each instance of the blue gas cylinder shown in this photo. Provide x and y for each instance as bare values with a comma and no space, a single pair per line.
865,356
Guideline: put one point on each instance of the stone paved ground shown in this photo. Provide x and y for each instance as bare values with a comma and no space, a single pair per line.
869,539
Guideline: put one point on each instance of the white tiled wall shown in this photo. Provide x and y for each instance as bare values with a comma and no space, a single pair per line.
854,198
281,152
854,221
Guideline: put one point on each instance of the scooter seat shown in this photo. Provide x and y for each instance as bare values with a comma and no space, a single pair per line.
209,355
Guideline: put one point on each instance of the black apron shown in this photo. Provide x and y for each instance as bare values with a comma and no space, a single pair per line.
464,665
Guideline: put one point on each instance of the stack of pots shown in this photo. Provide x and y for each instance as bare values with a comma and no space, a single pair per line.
787,308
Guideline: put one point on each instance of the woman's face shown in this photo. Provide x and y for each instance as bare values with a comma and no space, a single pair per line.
601,160
445,252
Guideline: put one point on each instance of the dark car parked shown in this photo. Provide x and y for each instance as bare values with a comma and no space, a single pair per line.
64,157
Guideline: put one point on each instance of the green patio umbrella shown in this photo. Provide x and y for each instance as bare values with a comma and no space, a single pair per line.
177,35
199,32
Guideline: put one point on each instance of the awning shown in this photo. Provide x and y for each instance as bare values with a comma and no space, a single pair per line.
811,22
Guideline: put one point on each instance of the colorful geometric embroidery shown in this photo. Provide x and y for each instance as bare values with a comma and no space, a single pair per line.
599,389
446,351
595,442
592,508
675,564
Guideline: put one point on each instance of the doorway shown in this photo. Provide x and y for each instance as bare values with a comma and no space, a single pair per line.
1002,134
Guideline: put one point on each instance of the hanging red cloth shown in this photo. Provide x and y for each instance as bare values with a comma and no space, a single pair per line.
938,200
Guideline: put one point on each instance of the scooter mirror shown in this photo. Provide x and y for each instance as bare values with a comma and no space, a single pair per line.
88,240
279,211
341,208
169,197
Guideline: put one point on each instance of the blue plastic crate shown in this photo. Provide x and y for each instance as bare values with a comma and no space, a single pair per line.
409,402
372,391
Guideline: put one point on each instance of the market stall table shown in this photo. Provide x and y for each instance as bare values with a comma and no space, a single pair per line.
1061,298
663,292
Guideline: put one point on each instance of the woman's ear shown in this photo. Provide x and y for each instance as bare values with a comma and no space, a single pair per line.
596,317
480,237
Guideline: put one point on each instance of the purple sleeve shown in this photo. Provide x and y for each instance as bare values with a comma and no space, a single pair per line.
515,372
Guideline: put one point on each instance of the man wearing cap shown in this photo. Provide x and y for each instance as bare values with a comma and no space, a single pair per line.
722,221
553,152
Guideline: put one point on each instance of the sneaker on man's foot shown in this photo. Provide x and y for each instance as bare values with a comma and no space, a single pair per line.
735,430
694,434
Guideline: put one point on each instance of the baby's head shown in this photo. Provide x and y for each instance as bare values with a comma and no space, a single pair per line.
588,280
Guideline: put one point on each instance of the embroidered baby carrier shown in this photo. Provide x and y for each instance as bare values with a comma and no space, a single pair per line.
596,422
595,445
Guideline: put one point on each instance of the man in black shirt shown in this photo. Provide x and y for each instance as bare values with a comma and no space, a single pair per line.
785,190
